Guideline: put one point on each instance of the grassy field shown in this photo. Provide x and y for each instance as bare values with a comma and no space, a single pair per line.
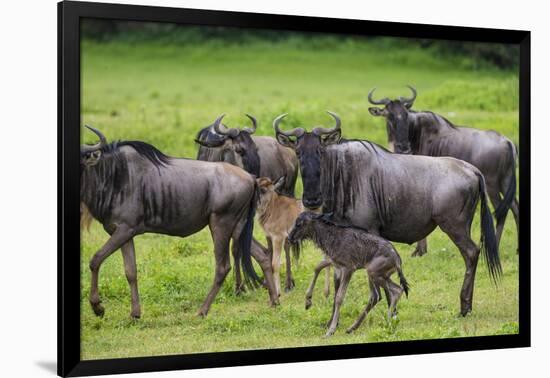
164,93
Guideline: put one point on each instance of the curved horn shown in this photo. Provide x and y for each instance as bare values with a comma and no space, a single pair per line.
321,130
383,101
254,124
411,99
232,132
297,132
102,141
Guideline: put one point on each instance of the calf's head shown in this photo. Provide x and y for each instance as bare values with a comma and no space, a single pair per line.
303,228
268,189
236,145
396,113
308,147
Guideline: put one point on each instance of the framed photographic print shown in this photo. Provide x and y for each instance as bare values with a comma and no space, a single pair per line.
235,170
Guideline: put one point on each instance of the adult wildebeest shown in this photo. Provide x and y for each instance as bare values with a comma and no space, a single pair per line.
401,198
349,249
261,156
427,133
132,188
258,155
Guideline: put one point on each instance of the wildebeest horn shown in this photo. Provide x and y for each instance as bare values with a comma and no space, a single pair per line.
322,130
232,132
409,100
297,132
102,141
254,125
383,101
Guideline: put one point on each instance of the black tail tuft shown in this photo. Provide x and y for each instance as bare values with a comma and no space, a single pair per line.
488,237
404,284
245,244
296,250
502,210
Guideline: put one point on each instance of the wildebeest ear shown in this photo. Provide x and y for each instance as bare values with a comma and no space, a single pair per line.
332,138
286,141
376,111
279,183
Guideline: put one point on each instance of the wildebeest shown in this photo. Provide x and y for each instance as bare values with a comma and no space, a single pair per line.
401,198
132,188
349,249
261,156
427,133
277,214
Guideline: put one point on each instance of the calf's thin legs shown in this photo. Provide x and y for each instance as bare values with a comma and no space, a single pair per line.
375,297
309,294
344,279
289,285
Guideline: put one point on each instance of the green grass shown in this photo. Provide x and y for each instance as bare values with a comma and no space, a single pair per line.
163,94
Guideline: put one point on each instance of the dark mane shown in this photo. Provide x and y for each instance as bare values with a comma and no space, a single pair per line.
435,115
148,151
375,146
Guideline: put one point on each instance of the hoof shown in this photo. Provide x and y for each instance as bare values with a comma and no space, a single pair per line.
326,293
330,332
465,312
350,330
289,286
274,303
98,310
135,315
308,305
201,313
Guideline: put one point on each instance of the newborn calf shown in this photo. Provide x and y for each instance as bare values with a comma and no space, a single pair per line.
277,214
350,248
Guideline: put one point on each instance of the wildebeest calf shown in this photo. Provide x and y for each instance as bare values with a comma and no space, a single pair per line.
277,214
350,248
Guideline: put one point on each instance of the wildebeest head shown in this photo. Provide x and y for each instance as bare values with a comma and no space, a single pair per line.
308,147
237,146
90,155
396,113
303,228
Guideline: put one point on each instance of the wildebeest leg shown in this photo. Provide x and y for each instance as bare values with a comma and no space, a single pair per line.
421,248
269,246
345,277
337,280
326,290
261,256
515,211
276,263
460,235
375,297
120,236
289,285
220,229
309,294
395,293
130,268
239,284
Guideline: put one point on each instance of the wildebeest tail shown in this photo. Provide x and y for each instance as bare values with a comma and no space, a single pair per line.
502,210
403,281
245,244
488,237
295,248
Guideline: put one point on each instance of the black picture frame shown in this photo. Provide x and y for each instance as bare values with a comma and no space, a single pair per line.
69,15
